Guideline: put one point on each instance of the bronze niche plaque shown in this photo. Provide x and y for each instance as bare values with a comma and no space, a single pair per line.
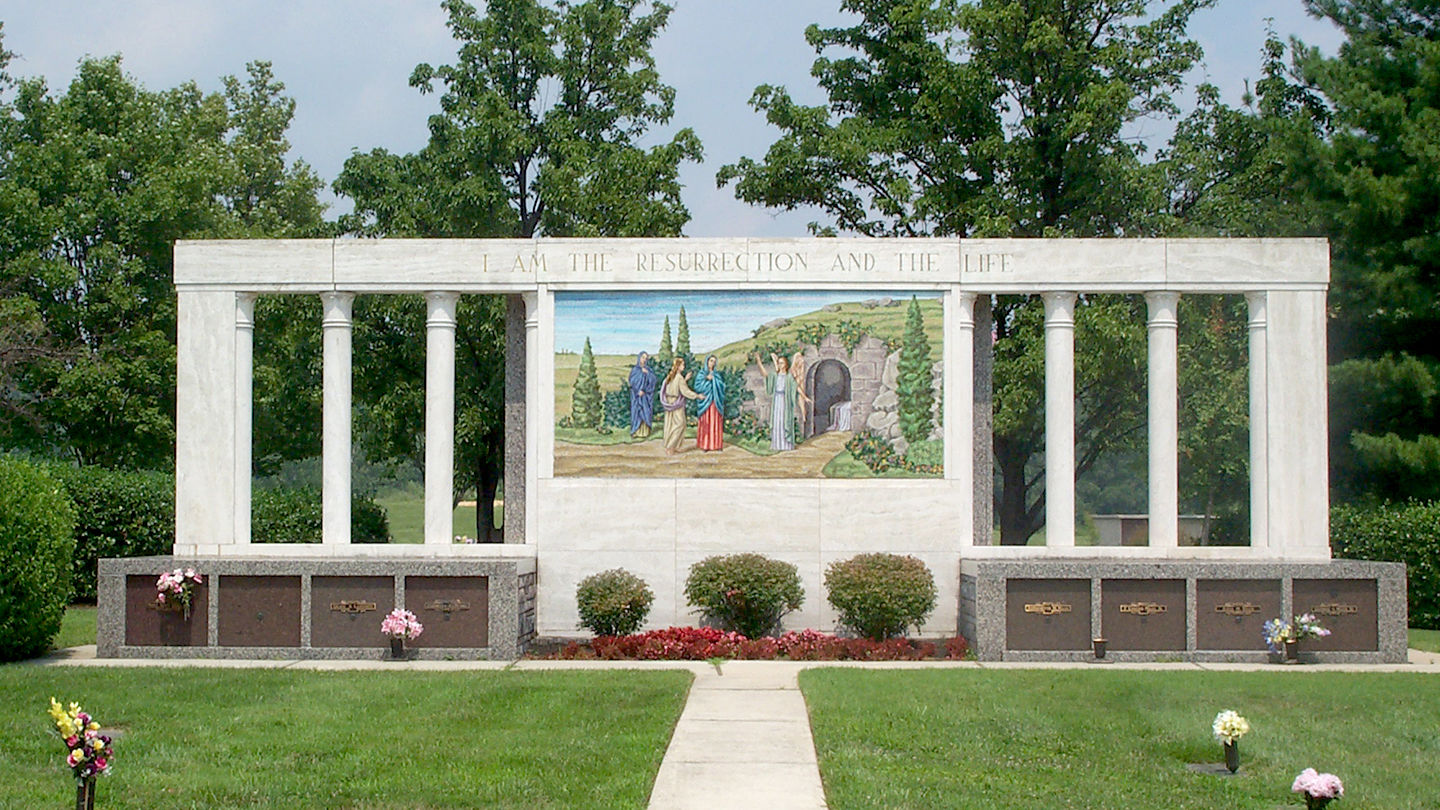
454,610
346,611
149,625
1230,614
1348,608
1143,614
259,611
1047,614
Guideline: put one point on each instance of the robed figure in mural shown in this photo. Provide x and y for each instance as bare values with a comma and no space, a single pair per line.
673,394
785,398
642,397
711,386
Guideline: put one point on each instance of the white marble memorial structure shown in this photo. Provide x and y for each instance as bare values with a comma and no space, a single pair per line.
562,528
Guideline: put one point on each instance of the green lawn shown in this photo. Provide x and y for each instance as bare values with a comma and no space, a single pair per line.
1427,640
78,627
406,513
1116,739
199,738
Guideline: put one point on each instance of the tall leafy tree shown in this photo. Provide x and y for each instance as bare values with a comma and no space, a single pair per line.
540,131
915,385
96,183
682,335
667,351
586,409
991,118
1373,178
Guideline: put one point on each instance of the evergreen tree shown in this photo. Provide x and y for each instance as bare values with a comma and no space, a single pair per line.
915,389
667,352
586,409
682,336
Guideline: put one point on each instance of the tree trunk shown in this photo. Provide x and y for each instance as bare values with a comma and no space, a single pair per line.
488,479
1015,524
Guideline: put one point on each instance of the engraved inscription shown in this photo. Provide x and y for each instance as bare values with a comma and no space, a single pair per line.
1048,608
1335,609
1143,608
448,606
1237,608
352,606
986,263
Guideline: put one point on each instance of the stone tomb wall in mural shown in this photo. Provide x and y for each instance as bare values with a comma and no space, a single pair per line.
737,384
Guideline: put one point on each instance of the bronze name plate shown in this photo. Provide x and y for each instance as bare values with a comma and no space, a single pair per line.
1237,608
448,606
352,606
1143,608
1048,608
1335,609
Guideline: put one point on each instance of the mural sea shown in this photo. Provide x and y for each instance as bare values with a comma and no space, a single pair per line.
732,384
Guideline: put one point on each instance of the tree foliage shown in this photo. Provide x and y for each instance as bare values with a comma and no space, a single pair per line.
992,118
96,184
539,131
585,409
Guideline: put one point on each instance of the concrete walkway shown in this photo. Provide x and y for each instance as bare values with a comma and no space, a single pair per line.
742,743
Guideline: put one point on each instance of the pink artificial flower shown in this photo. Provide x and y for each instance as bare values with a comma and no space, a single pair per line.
1318,785
102,763
160,597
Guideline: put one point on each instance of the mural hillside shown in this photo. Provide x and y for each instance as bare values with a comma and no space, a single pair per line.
728,384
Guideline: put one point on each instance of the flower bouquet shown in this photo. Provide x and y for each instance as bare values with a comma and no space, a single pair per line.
400,625
89,750
1229,727
177,589
1319,789
1281,635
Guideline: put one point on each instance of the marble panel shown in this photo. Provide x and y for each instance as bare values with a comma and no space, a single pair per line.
1081,265
879,515
607,514
461,265
731,516
261,265
1233,265
639,262
913,263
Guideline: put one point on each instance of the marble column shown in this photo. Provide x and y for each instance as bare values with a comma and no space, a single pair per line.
335,439
531,490
244,410
1059,419
1259,475
963,395
440,417
1164,433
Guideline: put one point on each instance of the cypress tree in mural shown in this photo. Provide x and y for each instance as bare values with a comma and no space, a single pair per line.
914,387
682,336
666,353
585,408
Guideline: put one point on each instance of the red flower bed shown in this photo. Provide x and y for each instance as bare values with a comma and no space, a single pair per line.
703,643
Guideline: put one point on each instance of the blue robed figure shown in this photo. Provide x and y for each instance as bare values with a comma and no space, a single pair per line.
643,383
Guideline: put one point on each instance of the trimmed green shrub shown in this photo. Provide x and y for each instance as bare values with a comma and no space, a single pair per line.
118,513
293,515
745,593
880,595
36,548
1408,533
613,603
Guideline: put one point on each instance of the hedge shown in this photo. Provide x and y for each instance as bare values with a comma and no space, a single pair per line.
293,515
36,548
1408,533
119,513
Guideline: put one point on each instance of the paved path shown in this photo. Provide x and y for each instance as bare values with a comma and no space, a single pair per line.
743,742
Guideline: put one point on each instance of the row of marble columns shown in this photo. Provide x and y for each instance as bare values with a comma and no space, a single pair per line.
1162,327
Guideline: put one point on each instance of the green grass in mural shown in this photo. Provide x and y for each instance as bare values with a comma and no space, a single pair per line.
1117,739
195,737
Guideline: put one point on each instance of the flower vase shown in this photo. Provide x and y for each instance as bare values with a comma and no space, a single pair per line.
1098,645
185,609
397,649
1292,650
1232,757
85,794
1316,802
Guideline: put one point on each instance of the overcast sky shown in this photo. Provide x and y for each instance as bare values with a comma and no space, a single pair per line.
347,65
